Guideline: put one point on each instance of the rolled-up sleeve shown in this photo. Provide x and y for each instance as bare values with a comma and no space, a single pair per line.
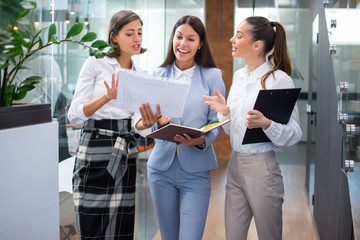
83,93
285,135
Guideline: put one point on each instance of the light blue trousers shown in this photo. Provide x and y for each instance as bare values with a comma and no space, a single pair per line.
181,201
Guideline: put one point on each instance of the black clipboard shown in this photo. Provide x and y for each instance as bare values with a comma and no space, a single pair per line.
275,104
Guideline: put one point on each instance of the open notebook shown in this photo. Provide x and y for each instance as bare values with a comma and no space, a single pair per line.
168,132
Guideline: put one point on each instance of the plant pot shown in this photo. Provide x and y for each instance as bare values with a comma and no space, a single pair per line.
23,115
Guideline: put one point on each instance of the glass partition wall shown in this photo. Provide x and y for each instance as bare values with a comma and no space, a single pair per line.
61,65
342,19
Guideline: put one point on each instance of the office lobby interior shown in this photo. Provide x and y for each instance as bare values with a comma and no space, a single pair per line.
321,173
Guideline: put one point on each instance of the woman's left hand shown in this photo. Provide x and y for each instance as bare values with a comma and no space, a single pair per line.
186,139
255,119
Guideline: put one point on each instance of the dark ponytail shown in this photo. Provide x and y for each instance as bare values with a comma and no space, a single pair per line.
274,37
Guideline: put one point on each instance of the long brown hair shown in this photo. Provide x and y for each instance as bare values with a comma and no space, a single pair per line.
117,22
203,56
262,29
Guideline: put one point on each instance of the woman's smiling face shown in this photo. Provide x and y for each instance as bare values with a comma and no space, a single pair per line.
186,42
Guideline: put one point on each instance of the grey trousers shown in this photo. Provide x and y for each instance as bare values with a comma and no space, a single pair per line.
254,188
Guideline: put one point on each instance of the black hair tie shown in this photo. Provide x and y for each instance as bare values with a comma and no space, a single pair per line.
272,24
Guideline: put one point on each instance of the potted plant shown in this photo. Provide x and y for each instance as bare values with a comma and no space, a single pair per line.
19,40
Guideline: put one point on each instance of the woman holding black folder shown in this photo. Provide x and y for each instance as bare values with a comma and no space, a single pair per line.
254,182
179,174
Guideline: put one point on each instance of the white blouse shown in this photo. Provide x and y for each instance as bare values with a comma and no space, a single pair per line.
90,86
241,99
186,74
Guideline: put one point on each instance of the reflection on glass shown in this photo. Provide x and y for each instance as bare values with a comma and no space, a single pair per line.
341,23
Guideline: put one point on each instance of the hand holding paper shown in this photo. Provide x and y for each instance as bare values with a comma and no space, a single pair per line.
148,118
136,88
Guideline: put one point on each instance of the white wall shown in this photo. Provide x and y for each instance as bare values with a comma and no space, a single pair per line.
29,205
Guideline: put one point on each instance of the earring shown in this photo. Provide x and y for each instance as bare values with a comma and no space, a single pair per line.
199,48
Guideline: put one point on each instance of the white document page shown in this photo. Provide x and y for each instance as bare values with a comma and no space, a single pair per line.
135,89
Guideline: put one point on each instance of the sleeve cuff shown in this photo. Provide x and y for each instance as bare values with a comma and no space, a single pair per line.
221,117
80,112
272,130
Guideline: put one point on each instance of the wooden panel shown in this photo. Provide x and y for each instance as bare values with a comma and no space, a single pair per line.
220,28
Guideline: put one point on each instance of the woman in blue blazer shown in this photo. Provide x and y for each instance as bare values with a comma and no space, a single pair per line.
179,174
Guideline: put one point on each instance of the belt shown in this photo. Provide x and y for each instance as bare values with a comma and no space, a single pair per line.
125,145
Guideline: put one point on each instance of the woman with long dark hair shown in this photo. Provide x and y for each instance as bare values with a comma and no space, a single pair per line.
254,185
179,176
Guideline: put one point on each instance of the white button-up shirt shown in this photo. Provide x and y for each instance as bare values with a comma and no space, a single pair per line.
90,86
241,99
186,74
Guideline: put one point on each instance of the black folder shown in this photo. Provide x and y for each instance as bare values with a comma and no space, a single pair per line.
275,104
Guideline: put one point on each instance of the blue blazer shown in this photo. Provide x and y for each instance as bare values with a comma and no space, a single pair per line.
196,114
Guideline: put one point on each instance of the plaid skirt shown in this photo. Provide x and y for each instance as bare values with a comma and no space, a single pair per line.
104,180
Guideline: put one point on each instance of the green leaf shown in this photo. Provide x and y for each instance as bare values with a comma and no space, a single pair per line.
22,33
38,33
75,30
10,89
21,94
23,13
9,12
52,32
12,60
13,52
89,37
40,42
25,88
22,67
32,79
92,52
4,65
100,44
107,50
25,21
99,54
29,5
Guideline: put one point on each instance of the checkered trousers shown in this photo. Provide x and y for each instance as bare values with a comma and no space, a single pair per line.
104,180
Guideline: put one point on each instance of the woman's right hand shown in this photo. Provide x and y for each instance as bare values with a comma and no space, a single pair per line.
112,91
218,103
